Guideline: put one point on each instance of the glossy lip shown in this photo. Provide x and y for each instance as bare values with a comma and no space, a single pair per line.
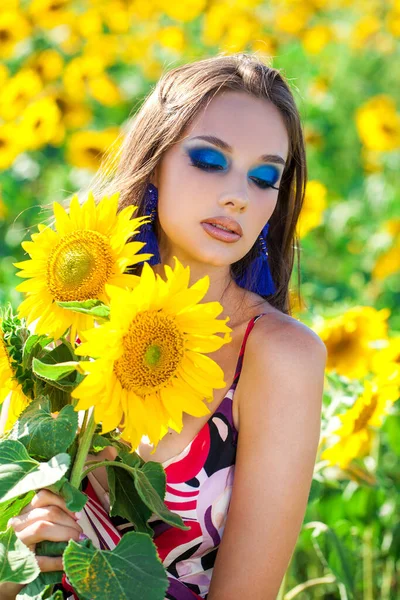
226,222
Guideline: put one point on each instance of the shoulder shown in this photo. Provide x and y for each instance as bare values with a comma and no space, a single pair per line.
283,366
277,336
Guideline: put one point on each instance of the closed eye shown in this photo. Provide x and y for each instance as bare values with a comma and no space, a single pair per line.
206,166
262,184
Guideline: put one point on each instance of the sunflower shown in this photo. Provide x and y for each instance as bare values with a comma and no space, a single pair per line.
10,385
87,251
350,339
359,423
150,365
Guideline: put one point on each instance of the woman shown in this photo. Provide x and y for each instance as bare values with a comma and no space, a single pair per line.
234,120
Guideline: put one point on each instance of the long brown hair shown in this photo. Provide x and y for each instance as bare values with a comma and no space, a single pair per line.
160,122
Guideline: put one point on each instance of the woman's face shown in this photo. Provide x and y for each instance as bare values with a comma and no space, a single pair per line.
231,181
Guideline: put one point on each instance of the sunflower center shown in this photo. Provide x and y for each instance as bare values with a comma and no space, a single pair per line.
152,355
153,349
79,266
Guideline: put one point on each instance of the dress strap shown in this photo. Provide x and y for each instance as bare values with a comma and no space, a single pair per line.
243,346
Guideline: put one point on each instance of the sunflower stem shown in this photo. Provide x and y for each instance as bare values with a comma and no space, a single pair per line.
94,464
83,450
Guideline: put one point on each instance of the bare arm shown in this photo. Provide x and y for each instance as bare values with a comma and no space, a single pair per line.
280,416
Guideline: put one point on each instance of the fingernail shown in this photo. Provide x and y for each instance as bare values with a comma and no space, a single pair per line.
78,515
82,537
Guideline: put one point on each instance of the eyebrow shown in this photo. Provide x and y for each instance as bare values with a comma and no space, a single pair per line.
274,158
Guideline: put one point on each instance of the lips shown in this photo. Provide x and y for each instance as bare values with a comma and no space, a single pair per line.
226,222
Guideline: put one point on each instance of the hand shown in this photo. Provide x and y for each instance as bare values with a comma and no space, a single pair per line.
46,517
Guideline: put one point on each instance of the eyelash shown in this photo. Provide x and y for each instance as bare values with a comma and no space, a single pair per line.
207,167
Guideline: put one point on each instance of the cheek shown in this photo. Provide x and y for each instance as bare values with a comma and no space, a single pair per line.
176,214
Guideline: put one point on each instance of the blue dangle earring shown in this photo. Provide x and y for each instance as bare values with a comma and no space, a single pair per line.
260,271
147,230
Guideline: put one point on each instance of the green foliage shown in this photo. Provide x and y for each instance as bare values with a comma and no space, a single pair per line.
40,587
55,373
95,308
337,556
138,503
17,562
20,473
42,434
126,502
13,507
126,572
59,378
75,500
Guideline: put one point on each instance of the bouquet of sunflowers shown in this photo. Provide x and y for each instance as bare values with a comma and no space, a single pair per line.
95,358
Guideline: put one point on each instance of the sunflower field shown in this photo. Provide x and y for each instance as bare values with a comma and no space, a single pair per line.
73,72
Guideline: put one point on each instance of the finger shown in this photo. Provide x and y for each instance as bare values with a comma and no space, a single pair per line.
44,530
50,563
44,498
52,513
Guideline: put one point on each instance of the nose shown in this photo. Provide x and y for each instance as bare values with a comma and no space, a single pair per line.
237,200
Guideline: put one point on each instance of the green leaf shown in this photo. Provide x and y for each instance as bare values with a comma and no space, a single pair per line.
134,460
392,428
49,548
75,500
17,562
58,595
33,347
394,548
131,571
12,508
316,489
338,557
54,372
58,398
155,473
125,501
43,435
95,308
100,441
36,589
58,390
19,473
151,498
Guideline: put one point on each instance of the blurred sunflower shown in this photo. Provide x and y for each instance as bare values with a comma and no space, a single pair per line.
313,207
388,263
87,149
17,92
360,422
150,367
378,123
48,64
49,14
41,123
87,251
387,360
13,28
10,385
350,338
10,144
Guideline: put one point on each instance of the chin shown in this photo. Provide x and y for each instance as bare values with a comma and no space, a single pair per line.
214,259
